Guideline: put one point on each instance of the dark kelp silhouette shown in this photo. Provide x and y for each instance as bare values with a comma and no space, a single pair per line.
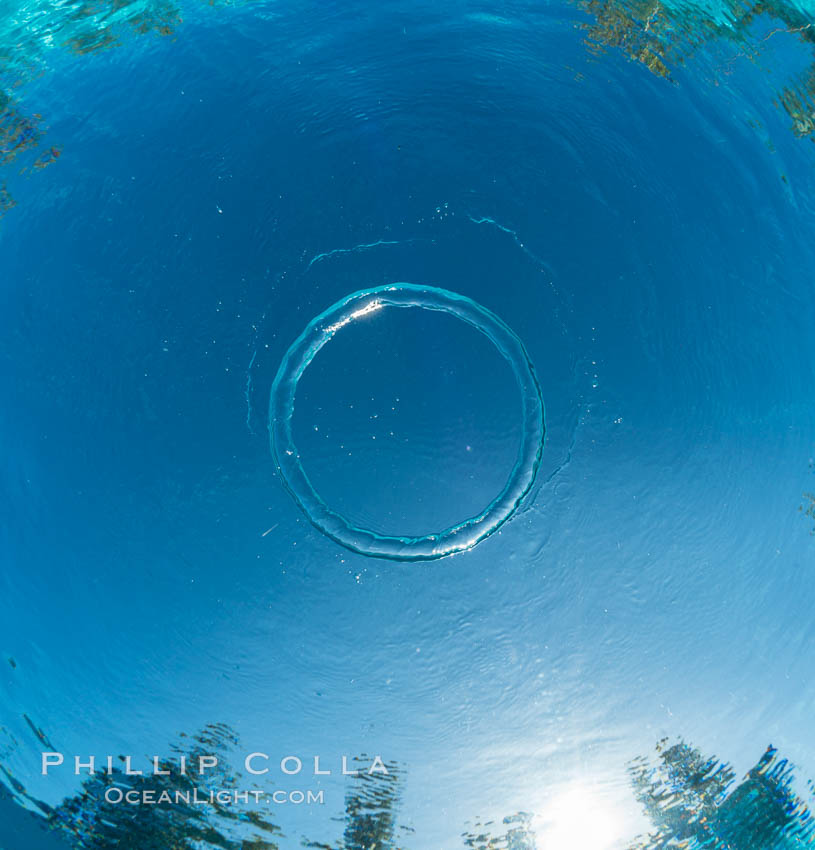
513,833
87,821
371,805
691,801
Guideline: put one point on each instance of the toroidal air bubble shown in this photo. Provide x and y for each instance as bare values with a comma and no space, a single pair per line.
435,544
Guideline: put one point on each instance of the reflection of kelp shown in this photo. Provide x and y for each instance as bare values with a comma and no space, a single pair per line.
692,801
85,27
514,834
661,36
6,201
371,805
689,800
88,821
808,507
92,25
19,133
636,28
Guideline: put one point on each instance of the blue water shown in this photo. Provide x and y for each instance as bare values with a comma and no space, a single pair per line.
651,241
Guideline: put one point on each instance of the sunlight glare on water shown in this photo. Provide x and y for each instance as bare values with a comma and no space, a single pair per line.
576,819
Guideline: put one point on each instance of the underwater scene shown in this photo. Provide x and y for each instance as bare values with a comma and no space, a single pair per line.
407,435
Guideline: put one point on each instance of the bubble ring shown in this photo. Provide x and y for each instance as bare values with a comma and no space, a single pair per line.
457,538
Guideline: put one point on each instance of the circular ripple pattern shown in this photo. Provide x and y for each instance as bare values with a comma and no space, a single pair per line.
461,536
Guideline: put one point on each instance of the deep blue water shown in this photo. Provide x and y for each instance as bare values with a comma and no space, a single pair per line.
651,242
